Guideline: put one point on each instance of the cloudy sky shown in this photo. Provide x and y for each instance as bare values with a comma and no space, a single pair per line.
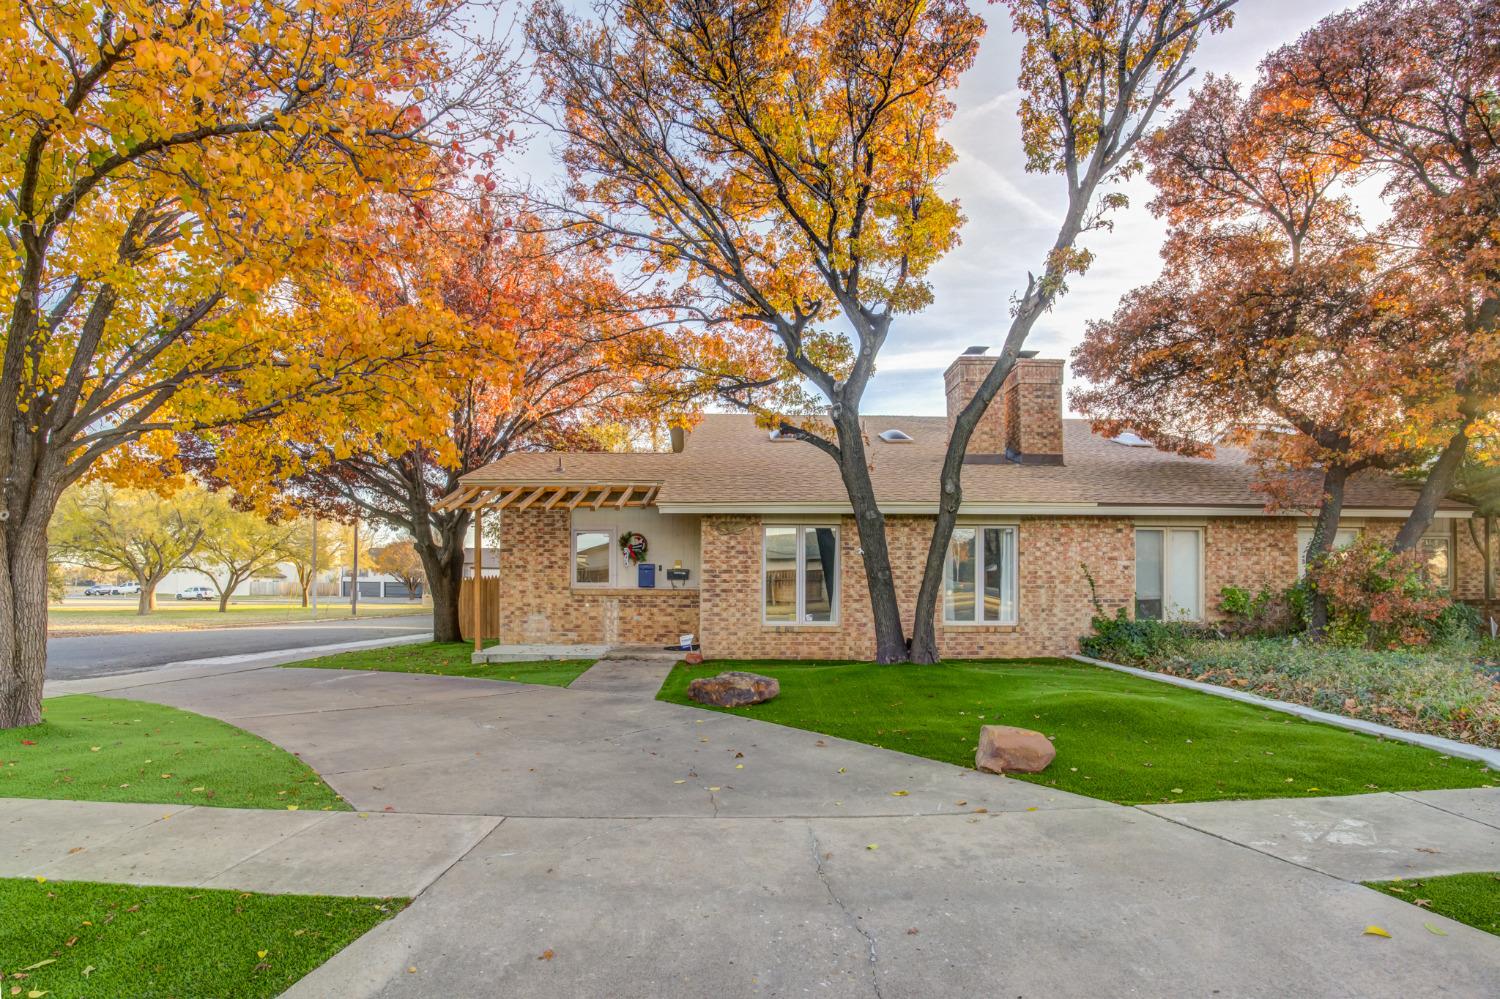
1013,215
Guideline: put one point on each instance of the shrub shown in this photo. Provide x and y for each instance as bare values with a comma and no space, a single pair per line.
1124,639
1265,613
1458,624
1377,597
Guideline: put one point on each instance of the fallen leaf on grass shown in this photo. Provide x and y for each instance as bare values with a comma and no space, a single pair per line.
40,964
1425,903
87,971
1376,931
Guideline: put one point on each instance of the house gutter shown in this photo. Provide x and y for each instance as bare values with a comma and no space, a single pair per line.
1032,510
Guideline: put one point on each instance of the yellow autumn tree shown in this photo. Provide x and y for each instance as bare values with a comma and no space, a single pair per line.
167,167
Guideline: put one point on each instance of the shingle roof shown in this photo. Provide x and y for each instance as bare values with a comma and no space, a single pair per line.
730,462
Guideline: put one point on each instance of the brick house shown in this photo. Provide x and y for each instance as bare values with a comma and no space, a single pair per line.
753,549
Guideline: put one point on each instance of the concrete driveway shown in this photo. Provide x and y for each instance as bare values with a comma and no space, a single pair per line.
653,850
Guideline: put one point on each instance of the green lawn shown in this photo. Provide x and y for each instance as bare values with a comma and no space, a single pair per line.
450,659
104,749
1118,737
80,938
117,615
1468,898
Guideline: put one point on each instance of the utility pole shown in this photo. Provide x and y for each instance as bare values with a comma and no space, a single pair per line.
354,586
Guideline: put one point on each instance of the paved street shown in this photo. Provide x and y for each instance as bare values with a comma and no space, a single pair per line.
639,848
104,655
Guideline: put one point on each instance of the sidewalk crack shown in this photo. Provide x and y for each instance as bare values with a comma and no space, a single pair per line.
853,920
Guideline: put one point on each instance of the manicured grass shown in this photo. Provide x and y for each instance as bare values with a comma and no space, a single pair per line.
450,659
116,615
1118,737
104,749
80,938
1468,898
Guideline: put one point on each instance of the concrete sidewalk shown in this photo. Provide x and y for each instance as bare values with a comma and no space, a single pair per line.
1363,837
310,853
656,850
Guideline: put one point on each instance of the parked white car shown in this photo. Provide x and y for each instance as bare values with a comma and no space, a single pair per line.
127,590
195,593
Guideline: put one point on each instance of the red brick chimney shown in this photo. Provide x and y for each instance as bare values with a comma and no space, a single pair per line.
1023,423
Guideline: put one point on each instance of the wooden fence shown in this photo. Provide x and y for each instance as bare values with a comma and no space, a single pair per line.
490,596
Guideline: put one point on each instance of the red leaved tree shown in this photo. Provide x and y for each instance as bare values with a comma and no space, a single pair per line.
1408,93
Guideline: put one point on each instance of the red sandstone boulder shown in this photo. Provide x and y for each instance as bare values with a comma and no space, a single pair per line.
732,690
1007,749
693,658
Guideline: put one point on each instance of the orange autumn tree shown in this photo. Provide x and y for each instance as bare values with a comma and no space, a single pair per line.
1277,324
542,350
781,162
1407,92
165,166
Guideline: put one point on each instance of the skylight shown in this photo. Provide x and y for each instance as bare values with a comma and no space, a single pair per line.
1131,439
894,436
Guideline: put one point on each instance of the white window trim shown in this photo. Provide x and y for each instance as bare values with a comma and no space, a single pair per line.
1008,575
1202,569
573,560
801,621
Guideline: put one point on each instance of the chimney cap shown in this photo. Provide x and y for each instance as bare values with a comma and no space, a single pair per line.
1027,354
974,351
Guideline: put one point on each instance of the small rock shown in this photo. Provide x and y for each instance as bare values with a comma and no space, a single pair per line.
1007,749
733,689
693,658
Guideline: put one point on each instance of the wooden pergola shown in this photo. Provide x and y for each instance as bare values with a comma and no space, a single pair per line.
483,497
547,495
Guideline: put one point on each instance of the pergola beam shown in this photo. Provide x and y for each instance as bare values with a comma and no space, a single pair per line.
549,496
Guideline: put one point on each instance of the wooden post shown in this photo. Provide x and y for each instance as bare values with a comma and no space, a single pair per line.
478,604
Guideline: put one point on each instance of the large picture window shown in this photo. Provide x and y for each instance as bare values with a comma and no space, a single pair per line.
979,577
800,576
1169,573
593,558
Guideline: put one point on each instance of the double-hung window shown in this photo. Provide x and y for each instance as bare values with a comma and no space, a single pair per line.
593,558
1437,552
800,576
1169,573
979,577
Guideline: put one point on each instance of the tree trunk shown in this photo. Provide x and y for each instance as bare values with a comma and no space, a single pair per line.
1439,484
303,584
224,598
444,563
890,635
146,602
1325,529
23,628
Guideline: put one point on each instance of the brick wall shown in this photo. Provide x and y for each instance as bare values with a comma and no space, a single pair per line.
538,604
1252,553
960,382
1469,561
1052,592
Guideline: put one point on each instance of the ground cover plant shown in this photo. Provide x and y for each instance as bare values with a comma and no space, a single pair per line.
450,659
1473,899
104,749
1118,737
80,938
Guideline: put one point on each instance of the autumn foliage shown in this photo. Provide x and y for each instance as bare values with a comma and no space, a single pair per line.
1376,596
